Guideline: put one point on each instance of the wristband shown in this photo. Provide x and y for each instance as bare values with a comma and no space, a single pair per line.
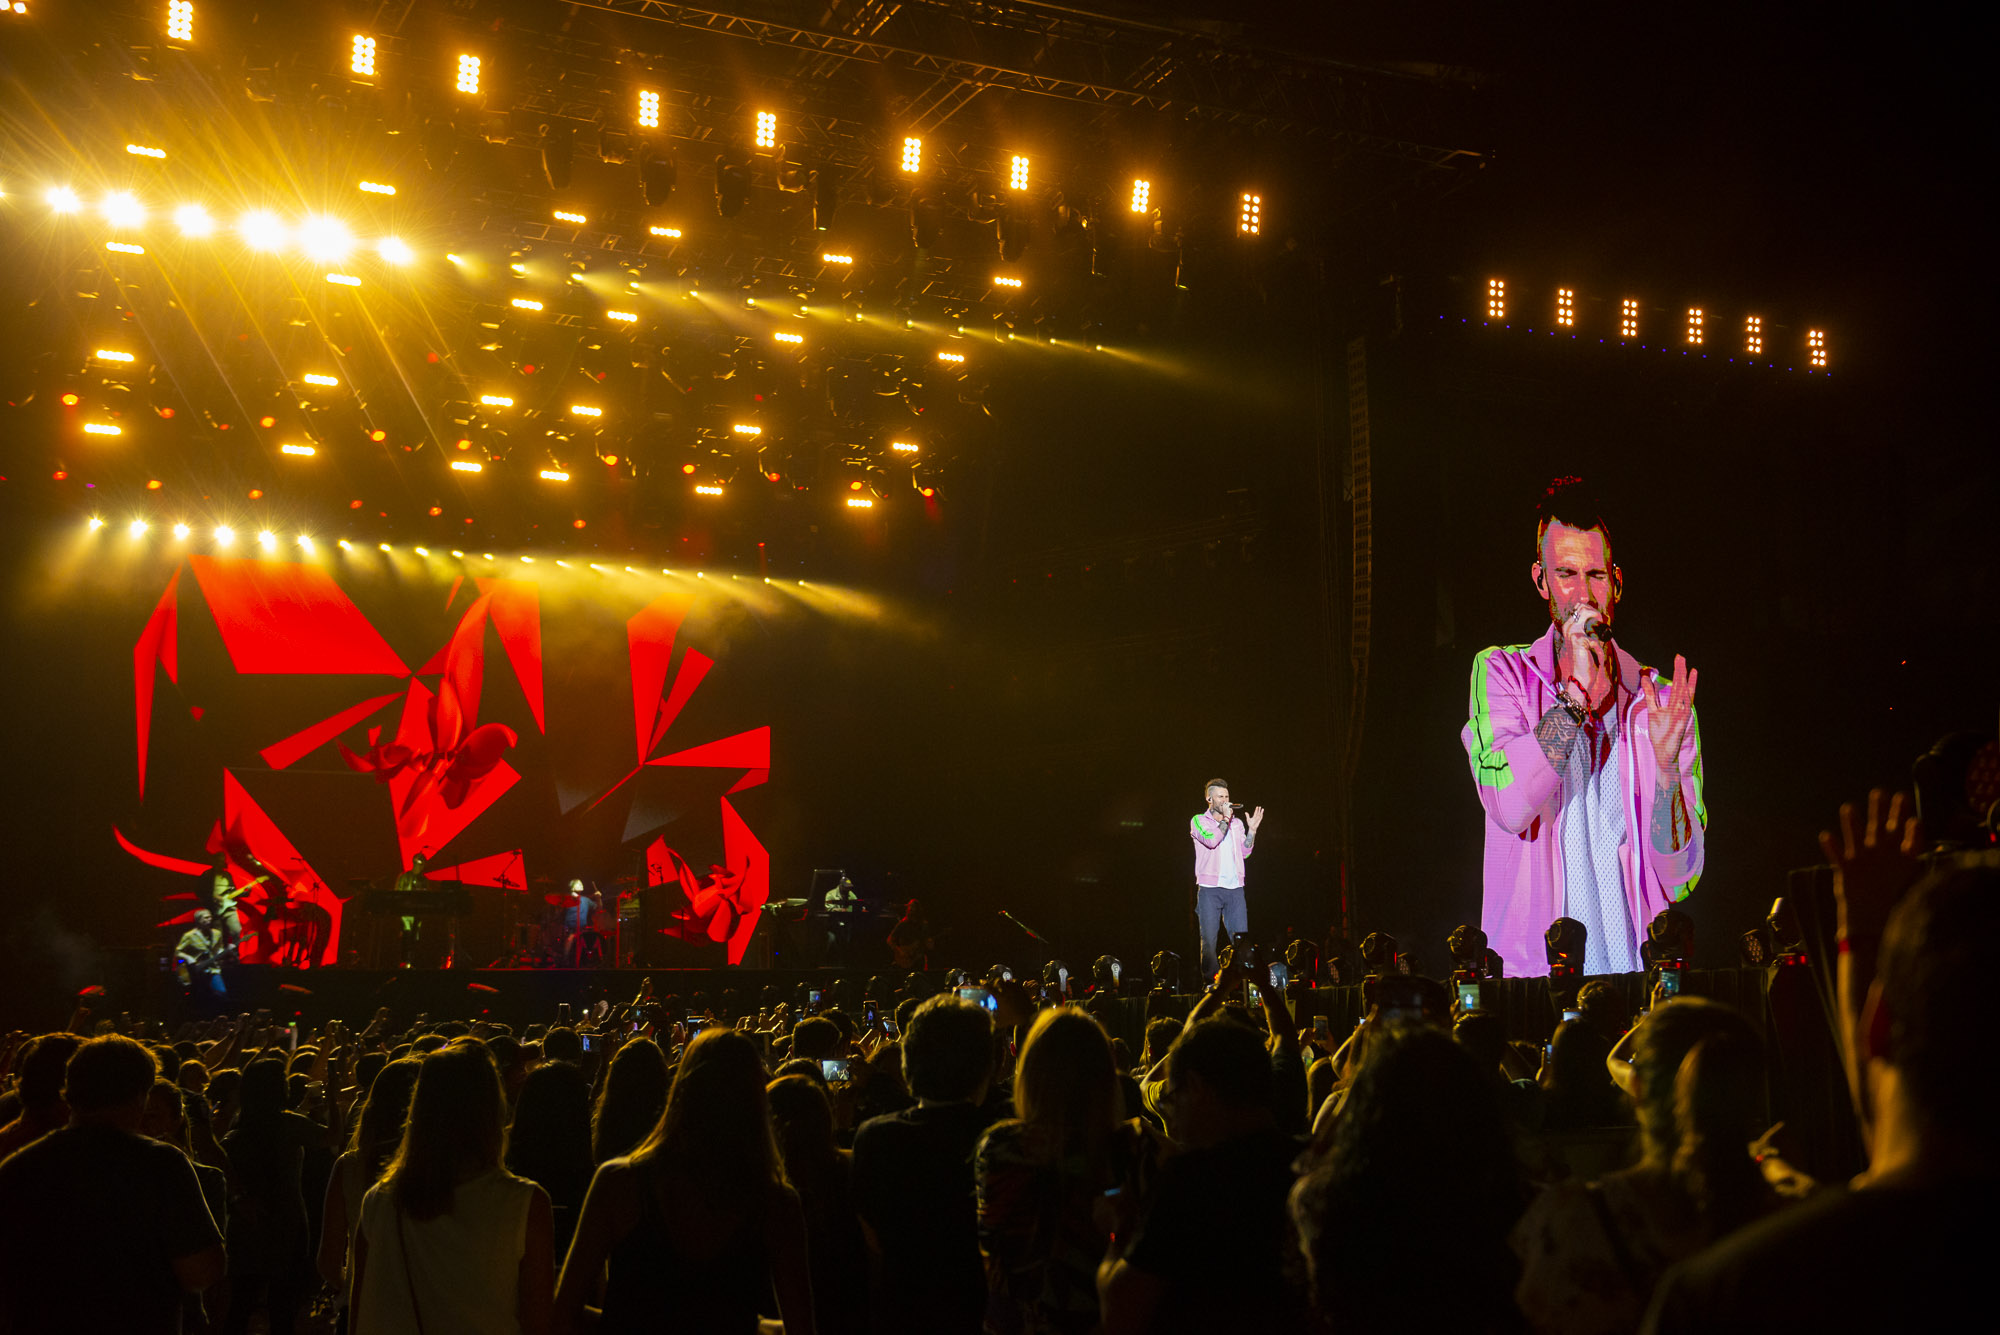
1570,707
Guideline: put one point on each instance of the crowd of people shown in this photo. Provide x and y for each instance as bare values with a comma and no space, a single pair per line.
944,1165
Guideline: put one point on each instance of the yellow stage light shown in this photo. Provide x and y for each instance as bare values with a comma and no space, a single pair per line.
306,544
671,232
102,429
789,338
121,208
395,250
496,400
468,74
831,258
561,216
623,317
303,451
346,546
144,151
95,523
124,248
1250,214
525,304
343,280
903,446
261,229
224,535
1565,307
767,129
649,109
193,220
953,357
385,547
913,154
137,528
113,355
1816,347
1753,335
316,379
1142,195
1000,280
704,489
467,466
554,475
422,551
180,530
325,238
62,199
1628,318
585,410
1496,298
747,429
268,540
376,188
1694,331
527,560
180,20
361,56
860,503
1017,175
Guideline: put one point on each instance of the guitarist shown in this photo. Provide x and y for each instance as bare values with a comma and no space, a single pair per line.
220,901
198,958
911,940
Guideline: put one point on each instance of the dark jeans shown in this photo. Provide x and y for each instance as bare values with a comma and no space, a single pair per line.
1213,904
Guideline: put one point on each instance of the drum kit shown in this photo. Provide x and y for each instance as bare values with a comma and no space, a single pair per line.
554,927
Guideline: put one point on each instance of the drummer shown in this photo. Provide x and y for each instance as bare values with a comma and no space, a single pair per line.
580,935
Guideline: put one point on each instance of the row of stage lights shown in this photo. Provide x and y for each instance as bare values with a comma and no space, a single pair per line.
224,537
1693,331
469,74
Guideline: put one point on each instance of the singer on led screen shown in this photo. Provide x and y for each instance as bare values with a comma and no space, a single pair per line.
1587,763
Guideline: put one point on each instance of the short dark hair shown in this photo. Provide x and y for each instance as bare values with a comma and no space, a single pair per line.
1934,985
109,1072
1574,503
1161,1032
1213,783
1229,1057
42,1069
947,1049
562,1044
815,1037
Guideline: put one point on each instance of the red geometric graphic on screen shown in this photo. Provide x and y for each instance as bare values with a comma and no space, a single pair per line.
294,922
694,666
158,646
285,616
439,782
723,906
507,871
516,612
164,861
649,637
283,755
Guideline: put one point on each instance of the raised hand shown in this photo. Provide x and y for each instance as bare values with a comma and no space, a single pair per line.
1668,717
1872,865
1256,819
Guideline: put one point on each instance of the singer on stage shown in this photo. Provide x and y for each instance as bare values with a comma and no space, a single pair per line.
1588,764
1222,841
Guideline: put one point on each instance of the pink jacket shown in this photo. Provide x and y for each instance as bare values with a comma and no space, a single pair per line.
1512,687
1219,850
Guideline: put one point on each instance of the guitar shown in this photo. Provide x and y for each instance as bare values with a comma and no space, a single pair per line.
908,953
217,952
225,900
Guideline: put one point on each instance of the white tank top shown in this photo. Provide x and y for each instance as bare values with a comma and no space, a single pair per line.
464,1267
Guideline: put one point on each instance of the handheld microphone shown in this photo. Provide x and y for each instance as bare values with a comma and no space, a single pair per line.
1596,629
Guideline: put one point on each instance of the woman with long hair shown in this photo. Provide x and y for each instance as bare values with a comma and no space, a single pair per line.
1041,1173
378,1131
698,1222
450,1241
628,1107
270,1260
549,1141
822,1173
1592,1253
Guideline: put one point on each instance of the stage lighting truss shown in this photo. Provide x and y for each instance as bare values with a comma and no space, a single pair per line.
1142,195
1496,298
468,74
1628,318
1017,173
1565,308
1250,215
767,129
1816,348
649,109
361,56
180,21
1694,330
913,154
1753,335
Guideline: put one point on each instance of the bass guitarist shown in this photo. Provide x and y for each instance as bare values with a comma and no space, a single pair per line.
198,958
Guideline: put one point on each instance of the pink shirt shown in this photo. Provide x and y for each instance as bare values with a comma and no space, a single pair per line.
1219,851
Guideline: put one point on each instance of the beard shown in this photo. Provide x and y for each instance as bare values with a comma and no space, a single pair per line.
1558,615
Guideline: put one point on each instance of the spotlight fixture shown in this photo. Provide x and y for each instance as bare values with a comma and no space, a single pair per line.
121,208
325,238
671,233
903,446
576,218
375,188
181,530
913,154
732,183
102,429
361,56
789,338
705,489
113,355
831,258
1002,280
137,528
95,523
767,129
585,410
554,475
1816,347
496,400
558,145
747,429
317,379
268,540
953,357
395,250
860,503
224,535
468,74
343,280
1250,214
1694,326
1017,173
180,20
1628,318
1496,298
467,466
649,109
1142,195
62,199
623,317
1753,335
1565,307
261,229
142,151
525,304
305,543
124,248
303,451
658,175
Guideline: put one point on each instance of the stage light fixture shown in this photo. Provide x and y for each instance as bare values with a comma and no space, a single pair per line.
378,435
124,248
224,535
121,208
1753,335
705,489
180,530
649,109
789,338
927,492
860,503
180,20
1250,215
1694,332
1002,280
1816,347
903,446
831,258
345,545
585,410
62,199
1017,173
747,429
261,229
496,400
385,547
767,129
1496,298
913,154
70,400
302,451
315,378
144,151
1142,195
343,280
953,357
687,468
659,174
95,523
623,317
113,355
554,475
468,74
395,250
268,540
325,238
375,188
1565,307
577,218
305,543
421,551
525,304
267,421
361,56
1628,318
137,528
102,429
672,233
467,466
